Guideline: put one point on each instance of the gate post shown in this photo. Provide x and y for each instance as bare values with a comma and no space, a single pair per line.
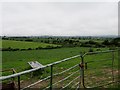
112,66
79,78
51,77
82,69
18,82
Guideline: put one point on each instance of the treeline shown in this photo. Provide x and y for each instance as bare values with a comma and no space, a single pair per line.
106,43
72,41
24,49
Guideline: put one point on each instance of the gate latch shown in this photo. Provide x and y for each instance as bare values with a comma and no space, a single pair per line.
83,65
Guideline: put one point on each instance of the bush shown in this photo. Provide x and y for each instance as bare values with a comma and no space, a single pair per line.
7,49
85,45
38,48
29,40
29,49
22,49
90,50
112,48
98,49
105,42
58,46
10,49
16,49
49,47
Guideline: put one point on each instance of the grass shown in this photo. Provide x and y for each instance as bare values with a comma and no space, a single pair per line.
19,59
23,44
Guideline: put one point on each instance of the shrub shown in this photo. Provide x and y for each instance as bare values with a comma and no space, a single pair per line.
29,49
10,49
49,47
16,49
29,40
105,42
98,49
112,48
22,49
38,48
85,45
90,50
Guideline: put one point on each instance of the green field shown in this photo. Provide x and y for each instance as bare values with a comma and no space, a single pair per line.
19,59
24,44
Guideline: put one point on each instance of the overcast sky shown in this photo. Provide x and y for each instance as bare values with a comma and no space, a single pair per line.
60,18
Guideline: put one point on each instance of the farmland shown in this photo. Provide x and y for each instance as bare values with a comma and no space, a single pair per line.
19,59
24,44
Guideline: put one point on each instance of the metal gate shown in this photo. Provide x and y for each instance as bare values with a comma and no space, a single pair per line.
99,69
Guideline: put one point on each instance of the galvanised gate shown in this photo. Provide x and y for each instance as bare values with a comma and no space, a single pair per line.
92,69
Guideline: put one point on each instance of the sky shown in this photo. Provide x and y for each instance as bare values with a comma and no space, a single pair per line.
59,18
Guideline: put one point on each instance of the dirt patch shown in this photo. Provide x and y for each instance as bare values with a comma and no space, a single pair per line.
106,76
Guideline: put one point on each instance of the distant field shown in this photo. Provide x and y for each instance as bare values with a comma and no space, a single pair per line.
24,44
99,41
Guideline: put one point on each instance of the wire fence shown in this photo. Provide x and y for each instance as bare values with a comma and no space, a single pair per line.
88,70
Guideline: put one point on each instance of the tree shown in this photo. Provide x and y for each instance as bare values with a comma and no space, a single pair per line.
106,42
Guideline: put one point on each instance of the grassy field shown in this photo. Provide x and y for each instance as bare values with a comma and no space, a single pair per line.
18,60
24,44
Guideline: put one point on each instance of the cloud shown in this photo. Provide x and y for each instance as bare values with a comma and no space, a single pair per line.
60,18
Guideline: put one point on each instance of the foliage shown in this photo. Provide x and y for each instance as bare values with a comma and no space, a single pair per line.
63,41
90,50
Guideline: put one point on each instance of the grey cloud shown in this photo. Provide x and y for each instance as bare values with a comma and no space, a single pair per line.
60,18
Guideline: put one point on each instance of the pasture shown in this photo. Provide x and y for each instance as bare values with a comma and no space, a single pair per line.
24,44
19,60
49,56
